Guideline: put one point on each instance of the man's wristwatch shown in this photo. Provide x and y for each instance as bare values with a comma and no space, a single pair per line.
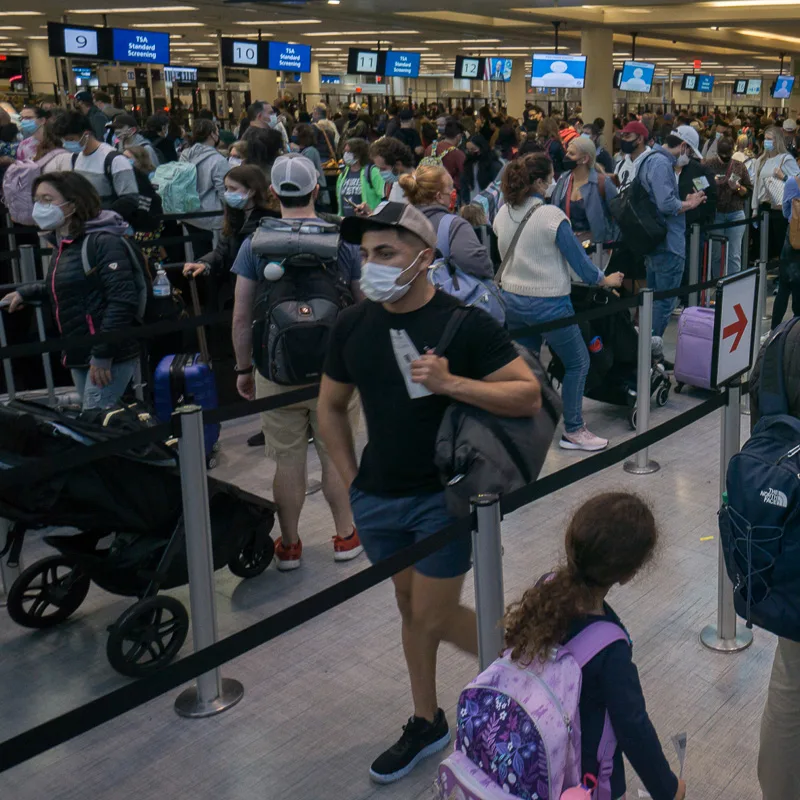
245,371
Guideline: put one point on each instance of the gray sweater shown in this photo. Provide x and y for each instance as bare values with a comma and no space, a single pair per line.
466,250
212,167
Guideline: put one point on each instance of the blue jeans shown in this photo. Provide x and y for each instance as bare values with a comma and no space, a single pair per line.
735,237
387,525
567,343
104,396
664,272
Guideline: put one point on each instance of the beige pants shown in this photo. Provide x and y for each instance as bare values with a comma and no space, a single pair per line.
779,753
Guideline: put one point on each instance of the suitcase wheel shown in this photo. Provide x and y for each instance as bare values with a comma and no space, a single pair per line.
215,448
662,395
632,418
678,387
211,462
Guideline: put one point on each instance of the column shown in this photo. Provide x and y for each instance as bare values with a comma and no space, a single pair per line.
42,67
597,45
516,88
311,85
264,85
399,88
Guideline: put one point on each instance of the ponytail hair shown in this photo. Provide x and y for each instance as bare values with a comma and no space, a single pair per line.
422,187
609,539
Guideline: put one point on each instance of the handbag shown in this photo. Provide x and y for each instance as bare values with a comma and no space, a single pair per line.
478,452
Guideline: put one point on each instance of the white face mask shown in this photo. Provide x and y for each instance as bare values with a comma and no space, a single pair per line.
379,281
48,216
348,158
273,120
550,189
683,159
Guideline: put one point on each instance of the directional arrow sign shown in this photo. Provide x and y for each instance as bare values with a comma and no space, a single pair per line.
738,328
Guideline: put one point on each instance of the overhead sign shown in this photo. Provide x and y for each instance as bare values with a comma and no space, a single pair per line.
243,53
79,41
735,313
292,57
402,65
141,47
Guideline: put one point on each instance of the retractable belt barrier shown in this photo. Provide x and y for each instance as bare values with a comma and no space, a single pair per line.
65,727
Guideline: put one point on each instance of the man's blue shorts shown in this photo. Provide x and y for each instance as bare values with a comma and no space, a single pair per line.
388,524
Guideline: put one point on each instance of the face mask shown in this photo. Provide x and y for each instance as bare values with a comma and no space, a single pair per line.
725,159
388,176
717,135
236,199
348,158
273,120
586,135
683,159
72,147
28,127
569,164
122,135
47,216
379,281
548,192
234,161
352,116
627,147
769,145
132,163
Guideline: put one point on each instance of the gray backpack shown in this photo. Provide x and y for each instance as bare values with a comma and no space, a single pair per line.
294,315
479,452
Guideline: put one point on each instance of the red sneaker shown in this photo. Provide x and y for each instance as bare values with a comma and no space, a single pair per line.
347,549
288,556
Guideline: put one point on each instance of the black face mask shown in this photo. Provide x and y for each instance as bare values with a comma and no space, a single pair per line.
352,116
569,164
627,147
472,156
725,159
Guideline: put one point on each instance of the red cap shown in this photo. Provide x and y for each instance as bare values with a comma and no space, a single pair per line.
638,128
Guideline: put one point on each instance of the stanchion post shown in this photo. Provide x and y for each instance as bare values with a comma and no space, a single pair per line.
8,370
487,557
212,693
12,246
746,241
694,262
27,265
763,257
188,247
723,636
642,464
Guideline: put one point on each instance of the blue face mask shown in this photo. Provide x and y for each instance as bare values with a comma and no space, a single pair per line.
72,147
769,145
28,127
388,176
236,199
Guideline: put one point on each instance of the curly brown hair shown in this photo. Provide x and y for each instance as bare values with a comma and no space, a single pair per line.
609,539
520,174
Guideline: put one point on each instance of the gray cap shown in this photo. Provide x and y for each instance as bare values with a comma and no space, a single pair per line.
293,175
390,215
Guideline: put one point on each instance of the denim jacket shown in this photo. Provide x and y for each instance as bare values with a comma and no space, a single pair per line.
602,225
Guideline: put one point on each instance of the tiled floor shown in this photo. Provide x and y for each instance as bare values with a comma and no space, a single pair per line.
324,699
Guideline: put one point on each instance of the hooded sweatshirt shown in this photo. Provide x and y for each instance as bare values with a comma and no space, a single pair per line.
212,167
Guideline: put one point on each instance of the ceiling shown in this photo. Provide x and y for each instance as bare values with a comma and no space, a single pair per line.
731,37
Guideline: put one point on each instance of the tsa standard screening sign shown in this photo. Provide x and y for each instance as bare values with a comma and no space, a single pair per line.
735,313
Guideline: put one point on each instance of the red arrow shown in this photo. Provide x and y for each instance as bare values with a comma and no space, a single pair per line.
737,328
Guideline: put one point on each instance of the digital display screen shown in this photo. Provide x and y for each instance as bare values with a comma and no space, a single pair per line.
364,62
637,76
617,78
82,72
740,86
549,71
141,47
693,82
470,68
323,78
180,74
782,89
754,86
80,42
498,69
244,53
402,65
292,57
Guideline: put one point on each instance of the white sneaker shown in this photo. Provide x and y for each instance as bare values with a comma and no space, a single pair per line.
677,311
582,439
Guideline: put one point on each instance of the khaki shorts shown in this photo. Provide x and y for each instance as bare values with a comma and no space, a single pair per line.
286,430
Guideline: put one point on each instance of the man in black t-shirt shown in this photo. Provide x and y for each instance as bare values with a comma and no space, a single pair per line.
383,347
408,134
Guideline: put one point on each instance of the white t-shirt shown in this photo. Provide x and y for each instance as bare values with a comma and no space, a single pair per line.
92,168
626,170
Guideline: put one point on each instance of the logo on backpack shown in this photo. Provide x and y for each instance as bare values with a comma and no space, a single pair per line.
774,497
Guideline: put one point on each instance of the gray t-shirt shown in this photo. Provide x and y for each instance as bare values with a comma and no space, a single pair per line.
92,168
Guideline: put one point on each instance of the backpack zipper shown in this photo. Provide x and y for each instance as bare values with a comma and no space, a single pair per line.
793,452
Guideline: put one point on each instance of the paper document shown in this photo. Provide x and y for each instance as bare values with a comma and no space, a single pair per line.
406,353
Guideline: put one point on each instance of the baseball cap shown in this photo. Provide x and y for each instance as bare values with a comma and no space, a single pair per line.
638,128
391,215
789,125
124,121
293,175
84,97
686,133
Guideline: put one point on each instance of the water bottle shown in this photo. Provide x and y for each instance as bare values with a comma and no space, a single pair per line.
161,285
596,345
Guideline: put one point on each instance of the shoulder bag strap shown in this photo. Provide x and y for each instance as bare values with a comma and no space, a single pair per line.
450,330
443,235
324,133
510,252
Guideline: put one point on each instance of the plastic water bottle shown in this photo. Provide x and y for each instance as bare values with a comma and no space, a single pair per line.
596,345
161,285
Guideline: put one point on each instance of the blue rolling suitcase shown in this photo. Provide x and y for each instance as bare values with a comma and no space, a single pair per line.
188,376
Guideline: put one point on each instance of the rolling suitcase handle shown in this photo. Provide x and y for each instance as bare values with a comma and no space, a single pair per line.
7,368
201,331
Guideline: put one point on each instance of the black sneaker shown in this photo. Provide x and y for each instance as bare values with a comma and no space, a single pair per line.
256,440
420,739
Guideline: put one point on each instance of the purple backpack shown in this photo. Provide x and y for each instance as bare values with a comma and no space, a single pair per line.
518,729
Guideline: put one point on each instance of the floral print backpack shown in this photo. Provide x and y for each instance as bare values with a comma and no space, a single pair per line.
518,729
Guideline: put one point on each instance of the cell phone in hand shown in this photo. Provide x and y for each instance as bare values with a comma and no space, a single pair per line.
350,202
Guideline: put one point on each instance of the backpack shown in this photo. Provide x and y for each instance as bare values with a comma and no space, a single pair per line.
107,166
436,159
18,187
759,522
448,277
518,731
637,216
794,223
176,184
295,314
147,216
477,451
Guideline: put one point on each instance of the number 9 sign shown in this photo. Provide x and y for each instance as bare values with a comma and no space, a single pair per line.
80,42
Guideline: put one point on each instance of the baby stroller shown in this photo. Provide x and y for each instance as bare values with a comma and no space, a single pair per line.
134,497
613,342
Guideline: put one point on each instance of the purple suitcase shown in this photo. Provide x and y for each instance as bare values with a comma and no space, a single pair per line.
695,343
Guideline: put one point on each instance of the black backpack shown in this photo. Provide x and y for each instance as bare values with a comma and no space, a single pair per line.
147,217
294,315
642,226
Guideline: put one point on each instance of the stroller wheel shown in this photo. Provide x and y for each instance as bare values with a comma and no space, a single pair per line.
211,462
47,592
662,395
632,418
147,636
250,560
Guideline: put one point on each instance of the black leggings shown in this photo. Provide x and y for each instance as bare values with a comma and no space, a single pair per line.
788,284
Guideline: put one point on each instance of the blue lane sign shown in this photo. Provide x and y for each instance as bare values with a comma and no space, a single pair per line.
141,47
402,65
292,57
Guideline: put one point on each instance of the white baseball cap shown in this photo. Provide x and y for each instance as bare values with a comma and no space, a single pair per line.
686,133
789,125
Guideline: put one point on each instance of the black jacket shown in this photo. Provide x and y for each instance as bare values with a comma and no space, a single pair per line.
221,258
107,299
703,214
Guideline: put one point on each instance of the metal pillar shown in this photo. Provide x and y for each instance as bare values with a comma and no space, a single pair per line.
212,693
694,262
12,246
723,635
27,265
763,256
641,464
487,558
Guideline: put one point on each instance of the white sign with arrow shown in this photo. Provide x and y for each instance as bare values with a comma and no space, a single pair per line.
736,300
